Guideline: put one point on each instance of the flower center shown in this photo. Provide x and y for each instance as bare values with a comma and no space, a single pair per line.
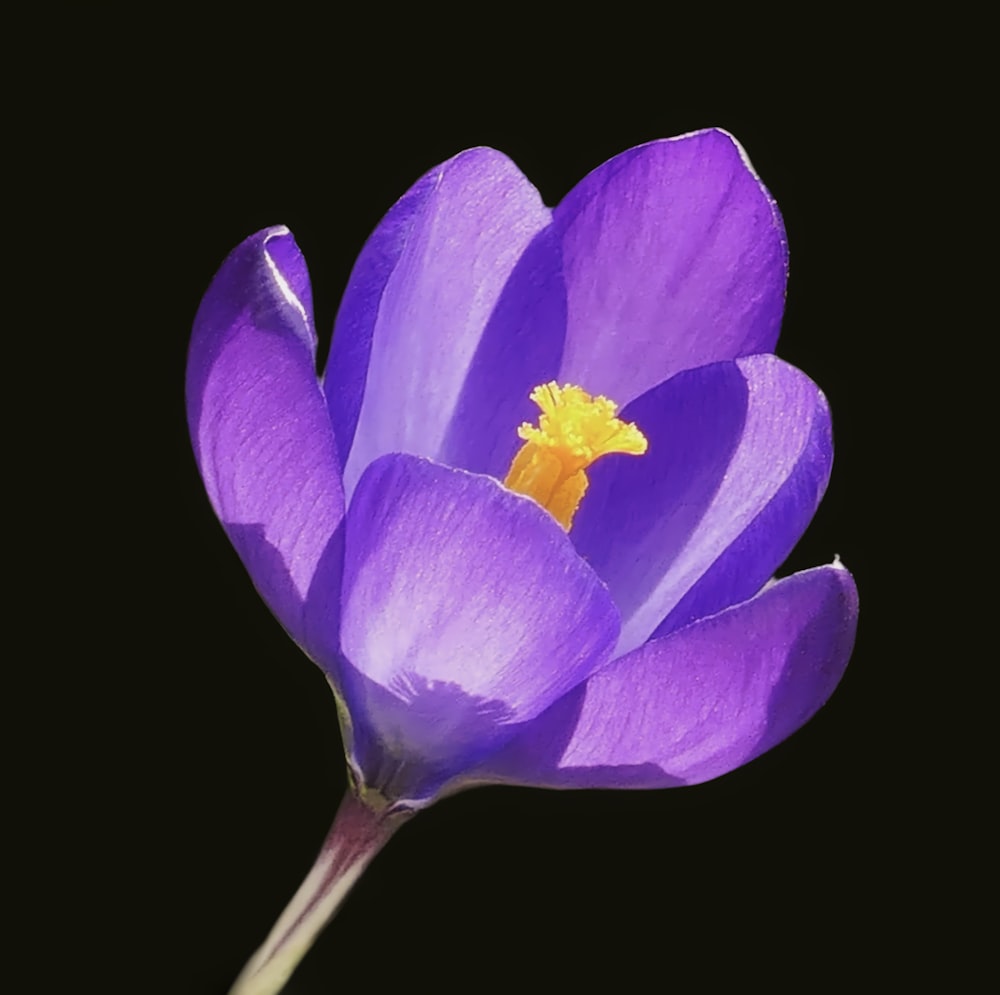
574,429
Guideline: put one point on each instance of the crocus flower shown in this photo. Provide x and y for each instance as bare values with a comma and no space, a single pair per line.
527,520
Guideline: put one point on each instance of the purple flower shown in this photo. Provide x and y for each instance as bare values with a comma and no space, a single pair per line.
548,621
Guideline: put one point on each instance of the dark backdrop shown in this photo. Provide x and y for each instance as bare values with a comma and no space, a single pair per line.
204,765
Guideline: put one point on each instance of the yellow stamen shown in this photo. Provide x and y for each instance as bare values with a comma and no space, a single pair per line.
573,430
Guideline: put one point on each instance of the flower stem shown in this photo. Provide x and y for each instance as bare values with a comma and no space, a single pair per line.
357,834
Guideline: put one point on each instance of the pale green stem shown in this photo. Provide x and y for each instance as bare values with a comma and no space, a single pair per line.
357,834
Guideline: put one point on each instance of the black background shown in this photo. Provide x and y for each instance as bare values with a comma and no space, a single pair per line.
202,764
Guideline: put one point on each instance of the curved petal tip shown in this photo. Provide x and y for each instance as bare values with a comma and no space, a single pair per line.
258,420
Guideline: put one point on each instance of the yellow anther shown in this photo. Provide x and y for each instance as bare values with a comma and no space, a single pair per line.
574,429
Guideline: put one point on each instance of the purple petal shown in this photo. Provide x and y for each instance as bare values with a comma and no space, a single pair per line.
674,257
258,420
739,456
347,364
465,610
431,280
700,702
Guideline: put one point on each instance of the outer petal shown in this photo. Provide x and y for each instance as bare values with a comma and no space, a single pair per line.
700,702
465,610
258,420
431,280
739,456
674,257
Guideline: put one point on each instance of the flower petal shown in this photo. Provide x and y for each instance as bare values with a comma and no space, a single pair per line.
699,702
259,423
427,286
465,610
350,351
674,257
739,456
